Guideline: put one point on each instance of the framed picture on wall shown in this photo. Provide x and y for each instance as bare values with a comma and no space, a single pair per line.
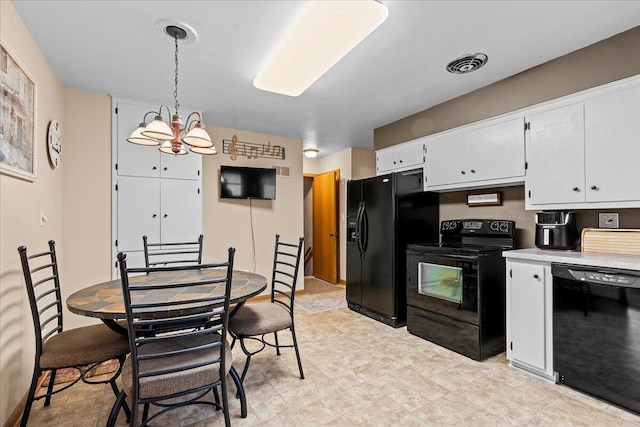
17,118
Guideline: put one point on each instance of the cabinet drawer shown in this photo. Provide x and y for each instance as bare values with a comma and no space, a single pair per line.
460,337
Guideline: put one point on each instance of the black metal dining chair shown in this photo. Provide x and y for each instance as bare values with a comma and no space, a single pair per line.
182,253
179,347
81,348
254,321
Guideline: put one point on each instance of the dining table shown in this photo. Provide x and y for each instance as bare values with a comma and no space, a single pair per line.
105,300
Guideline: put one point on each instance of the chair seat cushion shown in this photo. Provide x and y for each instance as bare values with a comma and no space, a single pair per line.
176,382
260,318
83,346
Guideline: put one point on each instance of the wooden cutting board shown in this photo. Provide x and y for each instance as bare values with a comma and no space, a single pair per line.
611,241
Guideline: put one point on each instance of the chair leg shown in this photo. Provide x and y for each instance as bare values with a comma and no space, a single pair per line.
225,402
295,346
233,341
52,380
246,364
239,392
115,409
275,336
32,392
145,413
216,396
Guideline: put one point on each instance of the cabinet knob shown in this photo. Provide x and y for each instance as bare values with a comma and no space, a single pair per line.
576,189
463,172
154,168
594,188
154,215
473,171
394,162
535,276
165,215
400,161
164,168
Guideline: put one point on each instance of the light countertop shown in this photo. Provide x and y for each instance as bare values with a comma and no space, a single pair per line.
626,262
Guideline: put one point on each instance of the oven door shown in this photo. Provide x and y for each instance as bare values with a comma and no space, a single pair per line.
445,284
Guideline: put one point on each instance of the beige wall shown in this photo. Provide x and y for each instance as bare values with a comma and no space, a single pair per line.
228,222
86,195
20,205
353,163
609,60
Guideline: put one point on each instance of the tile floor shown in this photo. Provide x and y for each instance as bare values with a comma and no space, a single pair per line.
362,373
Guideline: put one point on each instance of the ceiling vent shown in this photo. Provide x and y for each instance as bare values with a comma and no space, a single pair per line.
467,63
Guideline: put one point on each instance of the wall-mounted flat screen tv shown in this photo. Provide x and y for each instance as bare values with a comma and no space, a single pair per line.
238,182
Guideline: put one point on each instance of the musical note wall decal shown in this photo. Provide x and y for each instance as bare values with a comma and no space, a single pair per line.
251,150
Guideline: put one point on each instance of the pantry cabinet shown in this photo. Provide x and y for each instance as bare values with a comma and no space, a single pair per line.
154,194
406,156
485,154
586,154
529,316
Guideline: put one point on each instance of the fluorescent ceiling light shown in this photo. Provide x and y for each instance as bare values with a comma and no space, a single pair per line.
324,32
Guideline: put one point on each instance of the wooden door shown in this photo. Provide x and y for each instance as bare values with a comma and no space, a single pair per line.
325,226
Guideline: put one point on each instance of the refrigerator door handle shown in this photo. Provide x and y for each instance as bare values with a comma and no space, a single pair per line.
359,228
364,234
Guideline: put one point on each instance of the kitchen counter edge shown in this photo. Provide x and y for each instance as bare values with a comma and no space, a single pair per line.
620,261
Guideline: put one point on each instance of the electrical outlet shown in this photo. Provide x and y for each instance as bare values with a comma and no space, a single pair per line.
608,220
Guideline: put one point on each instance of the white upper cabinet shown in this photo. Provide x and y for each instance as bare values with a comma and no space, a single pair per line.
406,156
555,156
486,154
612,146
586,154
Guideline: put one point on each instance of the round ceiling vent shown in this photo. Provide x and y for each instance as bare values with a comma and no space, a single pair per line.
467,63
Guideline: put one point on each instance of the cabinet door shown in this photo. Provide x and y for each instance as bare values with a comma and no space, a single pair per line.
180,210
496,151
134,159
138,212
446,160
527,314
556,156
612,146
180,167
386,160
410,154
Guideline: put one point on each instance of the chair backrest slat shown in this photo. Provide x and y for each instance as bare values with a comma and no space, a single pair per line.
187,314
41,270
165,253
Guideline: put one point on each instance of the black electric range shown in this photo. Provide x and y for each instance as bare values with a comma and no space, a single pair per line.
456,289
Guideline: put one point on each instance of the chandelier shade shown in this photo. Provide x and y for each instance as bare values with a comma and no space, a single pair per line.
138,138
159,130
171,135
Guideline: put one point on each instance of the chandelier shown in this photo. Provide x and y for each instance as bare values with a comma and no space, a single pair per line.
172,136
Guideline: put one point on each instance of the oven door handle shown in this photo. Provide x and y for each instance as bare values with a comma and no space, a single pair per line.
471,258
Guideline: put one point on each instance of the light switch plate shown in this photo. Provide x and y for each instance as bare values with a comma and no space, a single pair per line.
608,220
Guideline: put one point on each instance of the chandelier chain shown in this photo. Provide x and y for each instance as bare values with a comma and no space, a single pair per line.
175,92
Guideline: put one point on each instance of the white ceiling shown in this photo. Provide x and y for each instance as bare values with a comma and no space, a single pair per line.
112,47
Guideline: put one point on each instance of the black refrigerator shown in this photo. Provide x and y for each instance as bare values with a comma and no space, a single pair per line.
384,214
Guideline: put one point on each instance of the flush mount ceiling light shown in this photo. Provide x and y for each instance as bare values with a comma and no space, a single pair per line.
467,63
324,32
172,135
310,152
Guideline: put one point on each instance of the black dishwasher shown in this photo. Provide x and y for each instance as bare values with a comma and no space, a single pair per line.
596,332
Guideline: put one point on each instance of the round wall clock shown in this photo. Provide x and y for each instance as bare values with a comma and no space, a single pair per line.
54,145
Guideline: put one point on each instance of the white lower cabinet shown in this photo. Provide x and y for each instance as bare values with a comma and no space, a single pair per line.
529,316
